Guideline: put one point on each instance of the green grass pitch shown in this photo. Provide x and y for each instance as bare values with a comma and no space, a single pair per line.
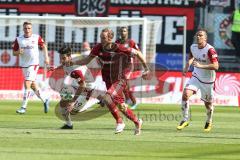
36,136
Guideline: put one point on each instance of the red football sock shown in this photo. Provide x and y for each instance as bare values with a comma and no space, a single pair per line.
130,115
115,112
126,93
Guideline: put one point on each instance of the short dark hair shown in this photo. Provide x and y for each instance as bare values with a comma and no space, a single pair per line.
65,50
123,27
202,29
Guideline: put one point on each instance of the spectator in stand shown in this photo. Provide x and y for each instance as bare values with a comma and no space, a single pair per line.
236,32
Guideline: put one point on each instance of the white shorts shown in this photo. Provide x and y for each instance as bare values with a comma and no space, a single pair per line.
90,96
207,89
82,103
30,73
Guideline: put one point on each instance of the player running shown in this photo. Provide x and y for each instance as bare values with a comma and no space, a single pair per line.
114,58
205,61
27,48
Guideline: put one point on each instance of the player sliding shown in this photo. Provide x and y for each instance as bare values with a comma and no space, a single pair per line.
79,81
114,58
26,47
205,61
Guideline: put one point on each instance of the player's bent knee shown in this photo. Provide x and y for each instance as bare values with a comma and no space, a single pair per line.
185,97
63,103
209,105
107,99
63,110
122,107
33,86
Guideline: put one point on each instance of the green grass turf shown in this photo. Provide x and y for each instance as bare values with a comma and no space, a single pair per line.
35,135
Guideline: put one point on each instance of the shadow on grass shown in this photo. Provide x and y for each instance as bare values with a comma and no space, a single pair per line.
89,114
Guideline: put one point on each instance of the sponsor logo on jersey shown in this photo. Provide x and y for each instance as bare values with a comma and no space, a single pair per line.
27,47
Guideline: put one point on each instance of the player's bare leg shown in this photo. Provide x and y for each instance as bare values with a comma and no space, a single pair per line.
66,115
41,96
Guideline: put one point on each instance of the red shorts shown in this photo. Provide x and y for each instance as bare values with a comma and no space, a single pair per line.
115,90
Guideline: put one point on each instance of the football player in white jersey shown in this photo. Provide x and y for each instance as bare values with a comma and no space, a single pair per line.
80,88
26,47
204,59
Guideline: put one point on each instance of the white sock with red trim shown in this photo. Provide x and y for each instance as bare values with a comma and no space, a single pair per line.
26,95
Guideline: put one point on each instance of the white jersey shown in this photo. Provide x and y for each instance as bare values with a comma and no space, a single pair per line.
206,55
84,74
30,46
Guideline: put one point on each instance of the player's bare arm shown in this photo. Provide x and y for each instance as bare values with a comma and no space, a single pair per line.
212,66
45,52
142,60
16,49
82,86
18,52
188,64
146,72
84,61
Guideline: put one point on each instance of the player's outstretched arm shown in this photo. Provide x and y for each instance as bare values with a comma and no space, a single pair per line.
140,56
84,61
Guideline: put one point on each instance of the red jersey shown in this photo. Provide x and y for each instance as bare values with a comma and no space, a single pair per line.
133,62
115,61
129,43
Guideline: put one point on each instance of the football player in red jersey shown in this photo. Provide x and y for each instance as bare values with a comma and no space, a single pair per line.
128,43
114,58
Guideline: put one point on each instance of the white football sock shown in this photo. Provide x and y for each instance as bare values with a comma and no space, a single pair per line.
26,95
185,110
210,114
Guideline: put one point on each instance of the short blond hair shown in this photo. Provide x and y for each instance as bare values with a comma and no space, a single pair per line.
27,23
109,31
